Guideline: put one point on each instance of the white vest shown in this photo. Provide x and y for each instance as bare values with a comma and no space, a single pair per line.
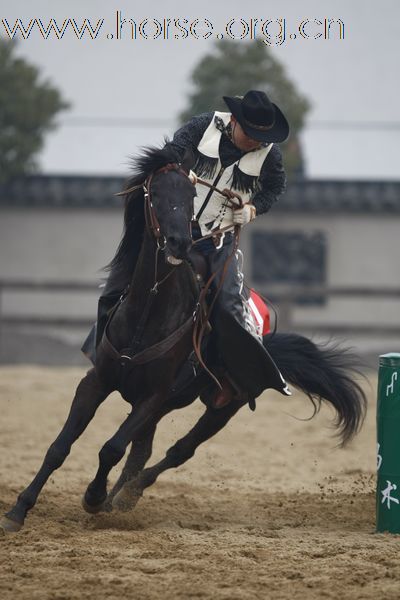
218,212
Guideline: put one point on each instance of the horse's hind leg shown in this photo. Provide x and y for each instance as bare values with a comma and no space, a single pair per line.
143,415
141,448
208,425
89,395
139,454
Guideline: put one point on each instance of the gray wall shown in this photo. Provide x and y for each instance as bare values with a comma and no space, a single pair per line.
74,243
363,251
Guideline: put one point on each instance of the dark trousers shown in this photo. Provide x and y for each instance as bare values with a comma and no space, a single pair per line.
245,358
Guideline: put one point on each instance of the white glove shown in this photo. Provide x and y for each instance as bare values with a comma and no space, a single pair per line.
242,216
193,177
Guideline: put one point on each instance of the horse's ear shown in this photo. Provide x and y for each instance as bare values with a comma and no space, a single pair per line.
188,160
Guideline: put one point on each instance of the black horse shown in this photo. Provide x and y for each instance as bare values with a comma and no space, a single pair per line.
147,342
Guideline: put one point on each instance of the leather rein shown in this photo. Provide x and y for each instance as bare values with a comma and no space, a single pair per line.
152,223
200,315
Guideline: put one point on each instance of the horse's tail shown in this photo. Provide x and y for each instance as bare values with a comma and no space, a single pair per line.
323,373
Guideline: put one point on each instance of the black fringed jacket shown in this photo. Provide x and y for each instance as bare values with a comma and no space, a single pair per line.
272,179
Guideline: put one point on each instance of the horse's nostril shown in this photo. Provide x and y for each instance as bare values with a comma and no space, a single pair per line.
179,247
173,244
172,241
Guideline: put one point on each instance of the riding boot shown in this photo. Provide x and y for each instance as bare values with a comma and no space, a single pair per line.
224,396
117,281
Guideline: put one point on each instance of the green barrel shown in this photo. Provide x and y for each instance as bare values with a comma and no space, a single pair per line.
388,444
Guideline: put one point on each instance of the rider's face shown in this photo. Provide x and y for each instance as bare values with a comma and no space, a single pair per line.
240,139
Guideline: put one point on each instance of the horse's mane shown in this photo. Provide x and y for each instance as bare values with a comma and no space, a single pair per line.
150,160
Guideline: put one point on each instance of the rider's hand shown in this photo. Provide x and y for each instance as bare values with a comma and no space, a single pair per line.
242,216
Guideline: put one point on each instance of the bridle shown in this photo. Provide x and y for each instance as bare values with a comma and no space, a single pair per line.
152,224
200,316
151,220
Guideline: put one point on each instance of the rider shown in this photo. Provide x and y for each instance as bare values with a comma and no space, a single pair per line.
234,150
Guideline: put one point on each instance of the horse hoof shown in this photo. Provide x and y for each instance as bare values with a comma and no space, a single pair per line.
127,498
108,507
9,526
93,509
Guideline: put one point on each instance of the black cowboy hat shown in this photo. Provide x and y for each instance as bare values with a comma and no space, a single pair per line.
259,118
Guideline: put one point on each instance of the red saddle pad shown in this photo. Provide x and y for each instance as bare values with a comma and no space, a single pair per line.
260,312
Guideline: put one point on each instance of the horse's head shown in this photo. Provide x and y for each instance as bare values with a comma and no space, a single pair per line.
169,207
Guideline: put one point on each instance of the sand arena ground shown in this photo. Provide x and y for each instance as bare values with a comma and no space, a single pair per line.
269,508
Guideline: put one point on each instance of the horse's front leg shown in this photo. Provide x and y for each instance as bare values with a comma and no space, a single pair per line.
141,448
139,454
90,393
208,425
143,415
